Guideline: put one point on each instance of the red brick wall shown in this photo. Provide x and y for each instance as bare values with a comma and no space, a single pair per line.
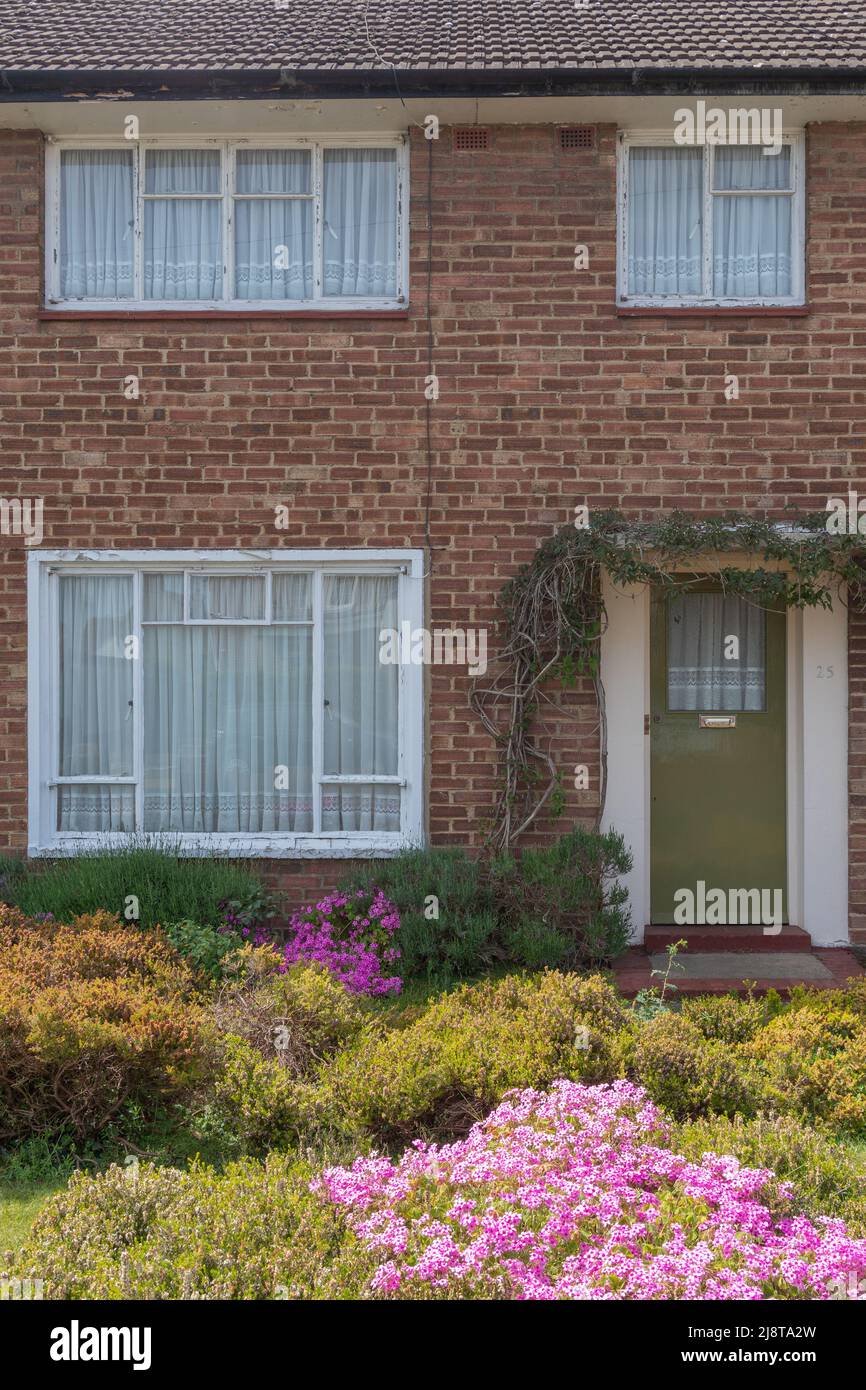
548,398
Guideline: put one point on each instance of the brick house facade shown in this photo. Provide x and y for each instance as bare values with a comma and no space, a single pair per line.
550,395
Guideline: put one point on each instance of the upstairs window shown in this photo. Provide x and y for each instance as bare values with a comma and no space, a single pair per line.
712,224
237,225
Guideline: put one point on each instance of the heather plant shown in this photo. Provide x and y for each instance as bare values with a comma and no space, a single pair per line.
689,1075
93,1015
255,1231
814,1059
352,936
574,1193
443,1070
816,1170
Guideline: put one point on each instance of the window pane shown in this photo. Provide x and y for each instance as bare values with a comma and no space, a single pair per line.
361,807
182,171
273,248
361,700
163,598
228,729
183,248
751,236
97,809
700,675
95,676
746,166
96,224
273,171
292,598
360,222
665,221
227,596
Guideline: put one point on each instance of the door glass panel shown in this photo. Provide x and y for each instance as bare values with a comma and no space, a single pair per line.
716,653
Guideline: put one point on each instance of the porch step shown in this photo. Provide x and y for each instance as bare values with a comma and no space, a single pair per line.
787,938
725,972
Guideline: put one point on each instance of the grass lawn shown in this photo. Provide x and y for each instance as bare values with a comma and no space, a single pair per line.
19,1203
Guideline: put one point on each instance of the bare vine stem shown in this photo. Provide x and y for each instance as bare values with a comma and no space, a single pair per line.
555,617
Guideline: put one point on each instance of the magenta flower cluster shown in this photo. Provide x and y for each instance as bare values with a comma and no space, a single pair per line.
574,1194
352,935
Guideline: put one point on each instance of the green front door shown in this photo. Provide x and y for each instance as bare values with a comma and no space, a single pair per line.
717,749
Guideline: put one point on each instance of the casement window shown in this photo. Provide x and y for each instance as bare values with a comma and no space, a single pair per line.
224,224
710,224
235,703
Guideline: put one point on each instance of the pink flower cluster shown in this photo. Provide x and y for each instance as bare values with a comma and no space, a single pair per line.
573,1194
352,936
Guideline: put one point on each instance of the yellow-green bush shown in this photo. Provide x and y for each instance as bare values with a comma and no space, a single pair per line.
690,1076
254,1231
814,1058
448,1067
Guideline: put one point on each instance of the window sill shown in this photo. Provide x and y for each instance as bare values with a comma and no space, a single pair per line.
80,314
310,847
713,311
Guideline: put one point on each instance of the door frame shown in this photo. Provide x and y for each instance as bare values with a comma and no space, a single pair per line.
817,755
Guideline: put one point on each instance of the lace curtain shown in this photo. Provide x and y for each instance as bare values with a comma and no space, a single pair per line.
700,675
228,709
273,220
751,235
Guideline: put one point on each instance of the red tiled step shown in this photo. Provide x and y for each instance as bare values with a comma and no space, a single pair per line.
728,938
632,973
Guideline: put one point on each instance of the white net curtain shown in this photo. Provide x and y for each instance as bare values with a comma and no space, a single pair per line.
228,722
700,675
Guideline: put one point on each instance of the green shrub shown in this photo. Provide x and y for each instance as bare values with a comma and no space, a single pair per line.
253,1232
547,908
168,889
448,924
208,950
444,1070
569,888
689,1076
93,1015
818,1169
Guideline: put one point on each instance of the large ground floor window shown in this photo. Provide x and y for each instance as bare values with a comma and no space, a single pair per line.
232,701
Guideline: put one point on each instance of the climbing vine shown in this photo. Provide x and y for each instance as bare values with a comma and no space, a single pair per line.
554,618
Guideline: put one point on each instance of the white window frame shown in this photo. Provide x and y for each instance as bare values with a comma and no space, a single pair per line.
630,139
43,660
228,148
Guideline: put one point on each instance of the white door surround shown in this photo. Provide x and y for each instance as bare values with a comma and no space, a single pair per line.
817,772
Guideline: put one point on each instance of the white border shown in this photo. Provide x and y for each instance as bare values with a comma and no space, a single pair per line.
42,722
228,145
628,139
817,758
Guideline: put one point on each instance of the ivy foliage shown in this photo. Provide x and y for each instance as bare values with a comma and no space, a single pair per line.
554,617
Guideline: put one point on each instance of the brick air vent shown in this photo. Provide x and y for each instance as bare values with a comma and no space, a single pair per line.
469,139
576,137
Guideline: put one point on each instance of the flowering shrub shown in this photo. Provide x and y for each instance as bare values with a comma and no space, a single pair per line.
573,1194
351,934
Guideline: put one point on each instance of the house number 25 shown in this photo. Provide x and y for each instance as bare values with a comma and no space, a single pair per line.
825,673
